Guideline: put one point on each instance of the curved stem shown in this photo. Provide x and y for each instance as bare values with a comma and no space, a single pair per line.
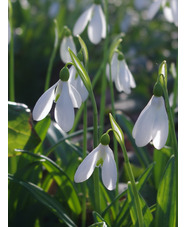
134,188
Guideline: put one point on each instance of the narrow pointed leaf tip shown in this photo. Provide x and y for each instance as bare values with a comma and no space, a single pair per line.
81,70
116,129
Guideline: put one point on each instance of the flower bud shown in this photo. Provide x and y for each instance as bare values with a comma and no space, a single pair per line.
157,90
64,74
163,71
105,139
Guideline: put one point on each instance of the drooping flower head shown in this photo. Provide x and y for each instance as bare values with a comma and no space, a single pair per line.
102,156
67,42
152,124
66,97
97,25
121,74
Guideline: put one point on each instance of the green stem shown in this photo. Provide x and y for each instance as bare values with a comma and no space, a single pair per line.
114,139
134,188
11,77
84,155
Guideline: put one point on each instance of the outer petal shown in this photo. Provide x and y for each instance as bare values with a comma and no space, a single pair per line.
122,81
161,125
64,110
82,21
153,9
95,27
132,81
76,81
109,170
44,104
168,14
143,128
174,7
87,167
75,96
64,54
103,21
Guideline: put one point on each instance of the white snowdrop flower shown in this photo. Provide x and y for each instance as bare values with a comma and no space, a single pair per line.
102,156
152,124
66,98
77,82
66,43
97,25
121,74
170,12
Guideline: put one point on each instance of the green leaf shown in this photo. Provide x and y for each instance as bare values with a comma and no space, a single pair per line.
62,179
166,214
84,48
41,129
81,70
117,130
45,199
124,215
99,219
148,218
161,158
21,134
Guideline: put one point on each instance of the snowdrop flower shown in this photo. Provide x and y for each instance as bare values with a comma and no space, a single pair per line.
102,156
121,74
75,80
97,24
170,13
66,43
152,124
66,97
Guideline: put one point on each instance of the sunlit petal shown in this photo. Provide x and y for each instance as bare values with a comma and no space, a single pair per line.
75,96
174,8
66,43
161,125
87,167
143,128
64,110
103,21
109,170
95,27
82,21
131,78
44,104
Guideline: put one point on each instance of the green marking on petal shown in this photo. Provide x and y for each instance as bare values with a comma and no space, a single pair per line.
99,162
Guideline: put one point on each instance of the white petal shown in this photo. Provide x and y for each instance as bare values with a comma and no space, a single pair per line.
132,81
64,110
64,54
161,125
87,167
75,96
76,81
168,14
109,170
82,21
122,81
95,27
153,9
103,21
44,104
174,7
143,128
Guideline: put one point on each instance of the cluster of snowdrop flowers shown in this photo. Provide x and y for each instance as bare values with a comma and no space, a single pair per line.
67,93
170,10
97,25
152,123
120,74
102,156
